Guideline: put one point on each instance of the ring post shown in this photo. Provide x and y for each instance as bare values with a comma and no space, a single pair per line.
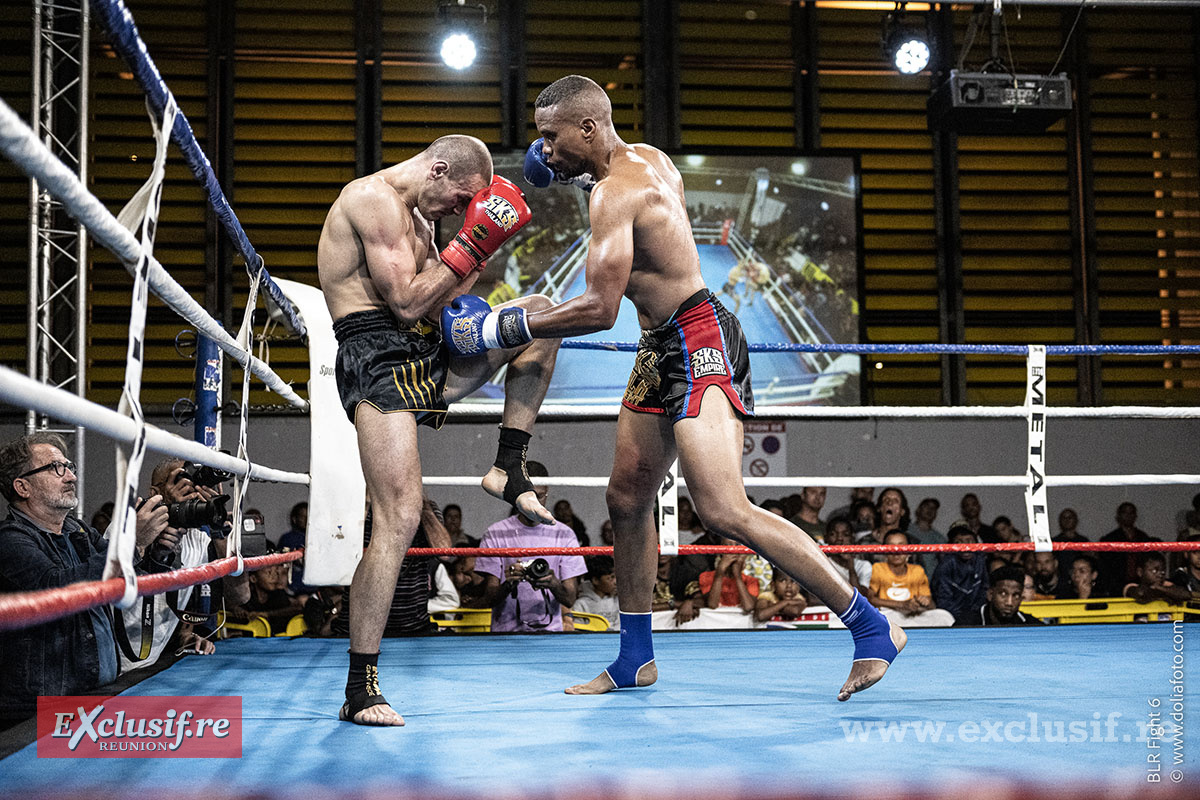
207,426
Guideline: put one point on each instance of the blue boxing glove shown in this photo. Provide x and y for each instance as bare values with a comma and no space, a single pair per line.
470,326
539,174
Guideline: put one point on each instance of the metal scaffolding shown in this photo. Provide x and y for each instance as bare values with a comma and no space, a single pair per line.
57,338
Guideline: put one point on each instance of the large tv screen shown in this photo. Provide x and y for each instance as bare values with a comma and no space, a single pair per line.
777,237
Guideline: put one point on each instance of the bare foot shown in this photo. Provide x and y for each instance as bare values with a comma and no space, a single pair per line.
496,481
866,673
381,715
602,684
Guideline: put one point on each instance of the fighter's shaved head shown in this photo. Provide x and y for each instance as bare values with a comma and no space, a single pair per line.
465,156
576,97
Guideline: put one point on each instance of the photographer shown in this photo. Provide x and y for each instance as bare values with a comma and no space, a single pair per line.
43,546
198,526
529,594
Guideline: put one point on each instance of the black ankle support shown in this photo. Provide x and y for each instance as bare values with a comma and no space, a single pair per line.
362,685
510,457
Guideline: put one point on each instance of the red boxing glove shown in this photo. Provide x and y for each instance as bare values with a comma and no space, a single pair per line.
495,214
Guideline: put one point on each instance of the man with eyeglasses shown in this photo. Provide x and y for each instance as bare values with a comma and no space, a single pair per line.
43,546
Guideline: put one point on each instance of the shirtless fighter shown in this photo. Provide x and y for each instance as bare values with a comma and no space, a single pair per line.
690,387
384,282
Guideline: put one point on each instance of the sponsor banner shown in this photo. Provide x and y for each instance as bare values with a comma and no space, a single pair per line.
668,513
139,727
764,449
1035,419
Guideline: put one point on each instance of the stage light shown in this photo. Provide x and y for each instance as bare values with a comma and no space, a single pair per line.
905,45
911,56
458,51
460,24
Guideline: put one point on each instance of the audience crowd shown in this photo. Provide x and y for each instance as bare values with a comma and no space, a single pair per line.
43,544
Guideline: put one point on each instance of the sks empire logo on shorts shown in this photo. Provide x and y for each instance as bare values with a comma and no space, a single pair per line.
502,212
708,361
139,727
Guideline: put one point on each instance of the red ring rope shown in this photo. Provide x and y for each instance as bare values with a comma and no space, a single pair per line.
24,609
703,549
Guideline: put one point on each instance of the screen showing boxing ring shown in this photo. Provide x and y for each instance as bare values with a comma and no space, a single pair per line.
777,237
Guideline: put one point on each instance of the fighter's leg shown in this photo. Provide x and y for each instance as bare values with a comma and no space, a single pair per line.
387,445
527,376
645,448
710,450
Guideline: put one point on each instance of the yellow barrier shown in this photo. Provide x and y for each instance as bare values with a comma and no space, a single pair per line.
593,623
258,627
296,626
465,620
1105,609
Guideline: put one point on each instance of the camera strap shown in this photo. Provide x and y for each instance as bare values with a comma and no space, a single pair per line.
192,616
547,616
147,624
199,608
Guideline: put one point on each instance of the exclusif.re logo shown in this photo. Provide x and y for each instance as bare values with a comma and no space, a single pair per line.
708,361
501,211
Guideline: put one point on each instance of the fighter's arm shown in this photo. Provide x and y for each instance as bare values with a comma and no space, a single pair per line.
384,226
609,263
463,286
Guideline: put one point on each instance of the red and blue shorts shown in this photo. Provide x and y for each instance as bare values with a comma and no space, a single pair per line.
701,345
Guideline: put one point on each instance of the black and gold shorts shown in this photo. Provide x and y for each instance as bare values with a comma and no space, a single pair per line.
392,366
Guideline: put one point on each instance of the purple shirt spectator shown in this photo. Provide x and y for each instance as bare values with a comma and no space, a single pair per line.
538,609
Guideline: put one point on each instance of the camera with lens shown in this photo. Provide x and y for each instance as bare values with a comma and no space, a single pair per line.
532,571
536,570
197,512
204,475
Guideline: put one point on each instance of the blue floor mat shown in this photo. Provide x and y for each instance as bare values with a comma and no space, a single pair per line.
746,710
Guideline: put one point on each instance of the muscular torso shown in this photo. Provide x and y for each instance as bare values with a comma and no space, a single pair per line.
666,266
341,261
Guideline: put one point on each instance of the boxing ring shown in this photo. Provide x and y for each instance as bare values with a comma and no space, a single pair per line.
1041,712
734,714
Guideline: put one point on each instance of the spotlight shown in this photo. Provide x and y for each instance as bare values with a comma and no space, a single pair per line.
905,45
911,56
458,51
459,21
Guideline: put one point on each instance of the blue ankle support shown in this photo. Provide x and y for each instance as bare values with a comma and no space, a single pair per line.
637,650
871,631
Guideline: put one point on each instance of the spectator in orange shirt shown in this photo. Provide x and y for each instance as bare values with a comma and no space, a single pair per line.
733,589
901,590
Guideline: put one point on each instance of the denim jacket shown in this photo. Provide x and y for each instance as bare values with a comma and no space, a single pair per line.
60,657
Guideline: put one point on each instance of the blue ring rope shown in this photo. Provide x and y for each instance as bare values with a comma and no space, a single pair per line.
123,34
938,349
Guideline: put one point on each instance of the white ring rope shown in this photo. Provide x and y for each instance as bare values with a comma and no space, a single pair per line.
610,411
22,147
850,482
24,392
